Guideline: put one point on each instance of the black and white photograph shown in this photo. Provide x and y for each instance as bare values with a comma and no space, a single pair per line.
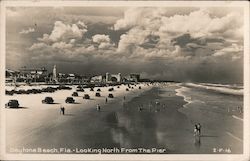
124,79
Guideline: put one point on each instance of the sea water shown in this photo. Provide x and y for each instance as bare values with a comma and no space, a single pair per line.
218,108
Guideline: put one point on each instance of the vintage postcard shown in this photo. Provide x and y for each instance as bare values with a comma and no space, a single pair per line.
124,80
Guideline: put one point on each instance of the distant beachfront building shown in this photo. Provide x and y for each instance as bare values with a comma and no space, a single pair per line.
10,76
97,79
72,78
32,74
133,77
113,78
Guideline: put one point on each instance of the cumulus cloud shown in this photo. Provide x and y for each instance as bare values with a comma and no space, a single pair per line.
200,38
27,31
198,30
65,32
103,41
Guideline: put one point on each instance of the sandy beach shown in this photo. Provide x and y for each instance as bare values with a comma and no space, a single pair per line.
165,120
36,124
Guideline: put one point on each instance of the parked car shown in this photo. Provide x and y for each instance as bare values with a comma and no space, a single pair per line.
86,96
64,87
48,100
69,100
139,87
99,90
127,89
34,91
9,92
118,86
111,89
80,90
50,89
19,91
75,94
98,94
91,89
29,91
111,95
12,104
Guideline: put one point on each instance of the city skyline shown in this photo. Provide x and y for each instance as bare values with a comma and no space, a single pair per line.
180,44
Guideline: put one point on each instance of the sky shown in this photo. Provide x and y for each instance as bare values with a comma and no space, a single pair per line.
188,44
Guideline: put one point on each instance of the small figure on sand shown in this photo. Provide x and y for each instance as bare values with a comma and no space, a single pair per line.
139,108
124,98
98,107
106,100
197,129
62,110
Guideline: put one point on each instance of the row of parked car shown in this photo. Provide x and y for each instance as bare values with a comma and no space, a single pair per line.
35,91
50,100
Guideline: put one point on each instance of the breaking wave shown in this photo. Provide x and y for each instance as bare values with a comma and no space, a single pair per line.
224,89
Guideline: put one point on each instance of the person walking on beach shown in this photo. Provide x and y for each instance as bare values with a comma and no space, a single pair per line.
199,129
62,110
106,101
124,98
139,108
195,130
98,107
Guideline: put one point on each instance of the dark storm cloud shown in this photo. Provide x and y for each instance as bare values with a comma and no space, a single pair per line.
186,38
150,41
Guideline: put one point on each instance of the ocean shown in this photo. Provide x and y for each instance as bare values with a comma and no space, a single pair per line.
219,109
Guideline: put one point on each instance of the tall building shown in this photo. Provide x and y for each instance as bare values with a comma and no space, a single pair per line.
54,76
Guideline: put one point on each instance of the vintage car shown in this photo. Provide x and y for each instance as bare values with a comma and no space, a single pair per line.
111,89
48,100
69,100
75,94
127,89
80,90
111,95
139,87
98,94
12,104
86,96
99,90
9,92
91,89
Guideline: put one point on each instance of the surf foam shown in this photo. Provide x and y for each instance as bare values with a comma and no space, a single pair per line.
220,89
